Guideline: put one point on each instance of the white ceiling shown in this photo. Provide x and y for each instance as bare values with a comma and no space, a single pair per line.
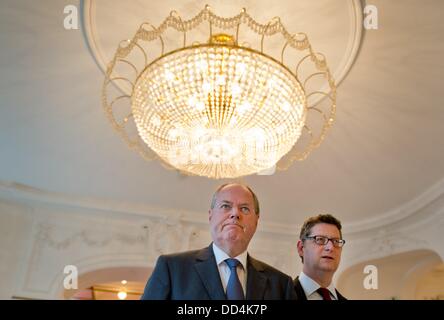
383,151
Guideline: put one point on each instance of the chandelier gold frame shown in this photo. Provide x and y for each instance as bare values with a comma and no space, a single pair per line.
145,119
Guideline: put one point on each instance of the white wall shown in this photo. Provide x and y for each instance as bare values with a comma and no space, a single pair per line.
15,230
398,276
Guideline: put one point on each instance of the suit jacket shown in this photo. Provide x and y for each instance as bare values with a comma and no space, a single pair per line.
194,275
301,293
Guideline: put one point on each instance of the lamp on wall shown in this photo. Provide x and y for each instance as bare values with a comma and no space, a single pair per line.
219,107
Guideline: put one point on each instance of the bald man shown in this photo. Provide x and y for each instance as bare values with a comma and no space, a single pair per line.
224,269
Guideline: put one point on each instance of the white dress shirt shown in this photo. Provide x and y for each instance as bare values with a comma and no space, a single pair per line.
310,286
224,270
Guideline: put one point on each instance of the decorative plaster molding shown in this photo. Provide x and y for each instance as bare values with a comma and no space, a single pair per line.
386,244
46,237
356,30
381,245
60,238
413,208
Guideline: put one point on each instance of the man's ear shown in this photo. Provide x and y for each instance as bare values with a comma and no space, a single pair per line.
300,246
209,214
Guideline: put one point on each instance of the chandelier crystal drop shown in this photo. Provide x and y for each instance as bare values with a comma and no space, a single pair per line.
217,109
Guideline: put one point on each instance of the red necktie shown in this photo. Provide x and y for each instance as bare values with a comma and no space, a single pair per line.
324,293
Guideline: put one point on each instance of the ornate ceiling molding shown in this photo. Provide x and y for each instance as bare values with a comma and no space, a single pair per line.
88,20
409,214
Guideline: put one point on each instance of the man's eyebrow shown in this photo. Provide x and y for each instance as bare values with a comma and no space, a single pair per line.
245,204
231,203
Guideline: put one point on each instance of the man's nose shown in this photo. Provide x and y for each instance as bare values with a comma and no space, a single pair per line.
234,214
329,245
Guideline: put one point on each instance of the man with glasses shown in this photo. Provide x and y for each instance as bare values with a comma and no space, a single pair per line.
319,246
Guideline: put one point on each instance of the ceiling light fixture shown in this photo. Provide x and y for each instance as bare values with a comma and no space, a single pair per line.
122,295
219,106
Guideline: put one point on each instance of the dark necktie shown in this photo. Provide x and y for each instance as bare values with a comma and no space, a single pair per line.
324,293
234,287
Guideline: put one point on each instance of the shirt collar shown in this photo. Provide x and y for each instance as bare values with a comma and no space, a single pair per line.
310,286
221,256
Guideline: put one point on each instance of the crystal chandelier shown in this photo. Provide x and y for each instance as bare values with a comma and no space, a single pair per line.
220,107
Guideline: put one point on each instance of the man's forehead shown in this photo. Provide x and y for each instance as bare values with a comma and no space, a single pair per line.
325,228
243,201
234,192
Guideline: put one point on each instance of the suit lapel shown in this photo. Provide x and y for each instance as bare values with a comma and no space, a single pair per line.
256,280
209,273
299,290
340,296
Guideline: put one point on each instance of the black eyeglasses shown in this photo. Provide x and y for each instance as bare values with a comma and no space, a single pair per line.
322,241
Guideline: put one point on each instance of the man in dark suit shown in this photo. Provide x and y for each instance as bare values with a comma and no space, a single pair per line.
223,270
320,247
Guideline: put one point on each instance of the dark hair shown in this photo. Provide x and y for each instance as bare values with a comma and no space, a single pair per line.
320,218
312,221
255,200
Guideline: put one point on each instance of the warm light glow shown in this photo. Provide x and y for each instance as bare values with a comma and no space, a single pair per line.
218,107
122,295
233,107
